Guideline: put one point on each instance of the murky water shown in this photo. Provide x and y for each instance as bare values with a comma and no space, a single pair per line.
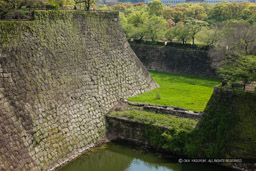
114,157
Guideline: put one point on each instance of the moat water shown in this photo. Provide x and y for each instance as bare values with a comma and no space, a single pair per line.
115,157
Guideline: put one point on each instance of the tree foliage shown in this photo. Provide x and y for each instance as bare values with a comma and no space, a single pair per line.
138,20
171,33
209,35
196,12
194,26
11,9
234,53
242,69
227,27
183,33
155,27
155,7
200,19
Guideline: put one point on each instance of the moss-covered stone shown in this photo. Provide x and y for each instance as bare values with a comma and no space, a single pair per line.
51,84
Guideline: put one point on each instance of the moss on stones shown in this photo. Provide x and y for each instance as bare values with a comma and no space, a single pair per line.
51,61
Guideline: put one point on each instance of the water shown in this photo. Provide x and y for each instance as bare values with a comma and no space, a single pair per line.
114,157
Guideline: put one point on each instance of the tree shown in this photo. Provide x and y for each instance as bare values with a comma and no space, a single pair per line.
167,12
183,33
155,7
58,3
241,37
170,24
249,13
139,20
86,3
243,69
122,7
226,11
12,8
14,4
194,26
209,35
178,13
171,34
197,12
234,53
155,27
237,39
127,27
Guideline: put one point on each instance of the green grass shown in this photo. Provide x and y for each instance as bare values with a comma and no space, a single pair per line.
188,92
174,123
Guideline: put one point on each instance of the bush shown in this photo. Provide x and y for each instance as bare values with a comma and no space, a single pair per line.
50,7
180,45
18,14
172,44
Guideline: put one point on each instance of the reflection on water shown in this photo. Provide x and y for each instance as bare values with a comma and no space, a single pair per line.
140,165
114,157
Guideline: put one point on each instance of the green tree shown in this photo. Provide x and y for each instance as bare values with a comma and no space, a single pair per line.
12,8
127,27
194,26
183,33
226,11
209,35
155,7
178,13
207,7
58,3
14,4
240,37
218,13
249,13
85,3
167,12
139,20
234,53
171,34
122,7
237,39
241,70
196,11
155,27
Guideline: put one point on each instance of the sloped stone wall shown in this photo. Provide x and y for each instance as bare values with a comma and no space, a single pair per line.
174,60
59,75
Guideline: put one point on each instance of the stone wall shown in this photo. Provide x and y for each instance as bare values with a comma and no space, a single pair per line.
131,131
177,111
227,128
59,75
233,114
173,60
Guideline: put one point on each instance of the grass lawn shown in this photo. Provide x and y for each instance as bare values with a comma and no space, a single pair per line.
176,90
175,123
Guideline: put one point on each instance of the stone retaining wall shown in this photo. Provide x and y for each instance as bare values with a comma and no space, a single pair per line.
133,131
59,75
174,60
181,112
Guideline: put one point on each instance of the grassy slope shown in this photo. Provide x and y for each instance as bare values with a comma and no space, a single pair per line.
173,122
188,92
